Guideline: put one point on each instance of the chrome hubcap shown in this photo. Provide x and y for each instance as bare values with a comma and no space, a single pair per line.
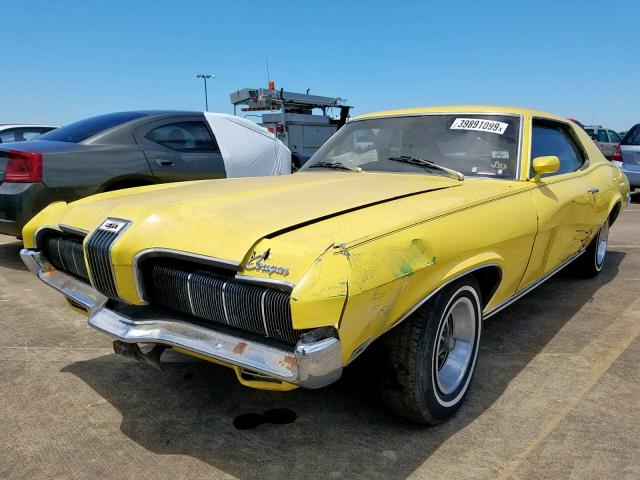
454,344
603,239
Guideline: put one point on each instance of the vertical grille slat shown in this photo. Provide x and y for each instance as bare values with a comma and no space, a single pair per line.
98,252
223,300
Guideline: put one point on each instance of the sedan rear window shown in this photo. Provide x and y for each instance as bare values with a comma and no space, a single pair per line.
78,131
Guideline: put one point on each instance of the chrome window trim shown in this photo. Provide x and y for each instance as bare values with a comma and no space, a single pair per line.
570,125
156,252
503,114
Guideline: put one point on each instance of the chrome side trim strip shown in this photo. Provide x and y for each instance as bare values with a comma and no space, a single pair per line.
529,287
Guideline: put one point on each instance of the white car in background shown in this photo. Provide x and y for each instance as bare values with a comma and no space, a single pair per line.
605,138
10,133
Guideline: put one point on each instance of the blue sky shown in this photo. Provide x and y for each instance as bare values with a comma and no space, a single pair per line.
71,59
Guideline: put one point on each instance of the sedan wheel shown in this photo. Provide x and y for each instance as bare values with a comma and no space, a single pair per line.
430,358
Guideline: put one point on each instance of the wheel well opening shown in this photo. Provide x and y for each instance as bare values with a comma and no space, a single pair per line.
130,183
614,213
488,279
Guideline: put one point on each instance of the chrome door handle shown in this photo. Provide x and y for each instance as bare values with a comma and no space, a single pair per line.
164,163
593,190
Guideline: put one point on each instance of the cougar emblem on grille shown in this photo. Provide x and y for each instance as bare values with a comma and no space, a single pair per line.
113,226
257,262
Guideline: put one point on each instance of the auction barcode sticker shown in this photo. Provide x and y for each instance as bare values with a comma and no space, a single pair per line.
479,125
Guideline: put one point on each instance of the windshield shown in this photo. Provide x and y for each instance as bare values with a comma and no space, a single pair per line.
473,144
78,131
592,133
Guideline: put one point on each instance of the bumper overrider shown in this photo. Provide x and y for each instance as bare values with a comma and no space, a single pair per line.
311,364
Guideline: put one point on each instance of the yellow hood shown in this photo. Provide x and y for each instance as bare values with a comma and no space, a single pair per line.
226,218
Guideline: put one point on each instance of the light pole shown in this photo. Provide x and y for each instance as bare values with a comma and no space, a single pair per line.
205,77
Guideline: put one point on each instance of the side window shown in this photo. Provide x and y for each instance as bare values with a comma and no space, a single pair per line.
24,134
602,136
614,137
184,137
7,136
550,138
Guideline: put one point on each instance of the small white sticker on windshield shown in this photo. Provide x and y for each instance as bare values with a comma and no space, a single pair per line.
500,154
479,125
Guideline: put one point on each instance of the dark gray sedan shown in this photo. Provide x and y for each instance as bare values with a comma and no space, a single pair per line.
129,149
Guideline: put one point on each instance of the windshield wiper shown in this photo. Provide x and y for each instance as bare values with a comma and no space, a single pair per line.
335,166
421,162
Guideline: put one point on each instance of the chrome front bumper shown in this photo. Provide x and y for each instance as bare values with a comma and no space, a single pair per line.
310,365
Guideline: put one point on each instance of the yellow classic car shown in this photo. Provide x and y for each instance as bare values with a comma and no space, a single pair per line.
402,233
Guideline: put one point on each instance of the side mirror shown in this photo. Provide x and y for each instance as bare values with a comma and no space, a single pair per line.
548,164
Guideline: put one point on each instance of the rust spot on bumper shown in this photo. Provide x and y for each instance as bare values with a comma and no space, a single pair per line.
289,361
240,348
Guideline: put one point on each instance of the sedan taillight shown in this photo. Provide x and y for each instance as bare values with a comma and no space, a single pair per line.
617,154
23,167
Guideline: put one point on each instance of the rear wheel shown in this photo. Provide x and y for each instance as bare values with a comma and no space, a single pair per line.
590,263
429,360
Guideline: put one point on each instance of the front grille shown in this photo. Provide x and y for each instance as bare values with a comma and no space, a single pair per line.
223,300
98,251
65,253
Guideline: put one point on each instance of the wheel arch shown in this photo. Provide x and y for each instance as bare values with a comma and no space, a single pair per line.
128,181
614,211
485,268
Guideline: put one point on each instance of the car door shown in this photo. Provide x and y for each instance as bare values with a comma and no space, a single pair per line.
564,200
180,148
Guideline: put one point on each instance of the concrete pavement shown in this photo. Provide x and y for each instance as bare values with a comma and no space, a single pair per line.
555,396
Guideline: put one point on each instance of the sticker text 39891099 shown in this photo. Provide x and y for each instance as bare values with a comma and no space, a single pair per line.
479,124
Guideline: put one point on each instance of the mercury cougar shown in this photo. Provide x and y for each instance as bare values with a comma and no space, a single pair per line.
404,232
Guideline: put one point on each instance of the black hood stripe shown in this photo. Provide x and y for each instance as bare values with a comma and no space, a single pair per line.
296,226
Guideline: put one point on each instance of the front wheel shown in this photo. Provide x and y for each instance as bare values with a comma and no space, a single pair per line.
590,263
429,360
